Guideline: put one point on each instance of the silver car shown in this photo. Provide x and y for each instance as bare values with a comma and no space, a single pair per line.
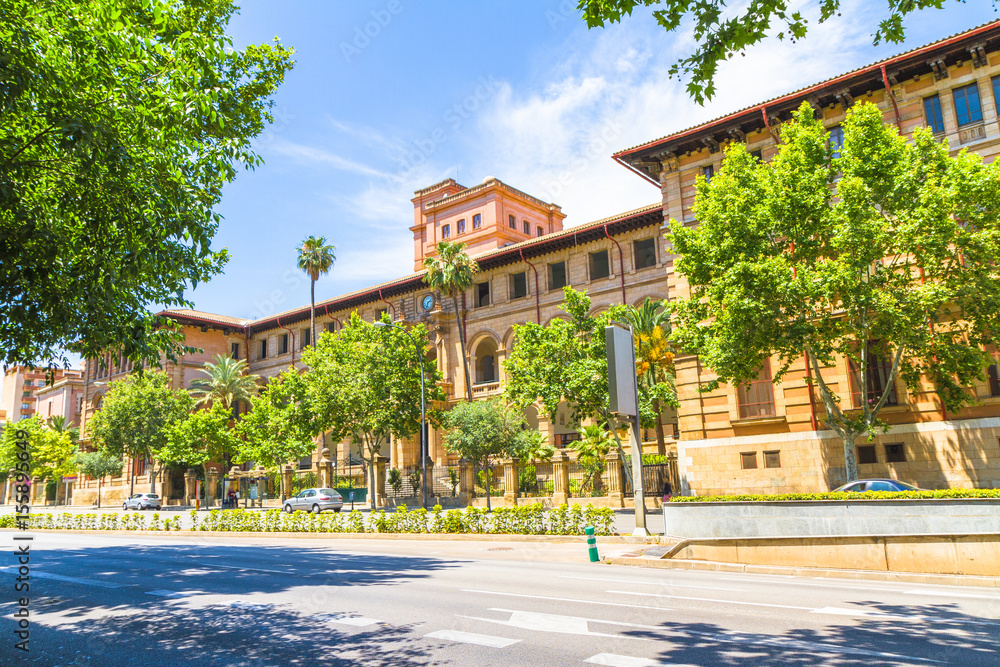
314,500
142,501
862,485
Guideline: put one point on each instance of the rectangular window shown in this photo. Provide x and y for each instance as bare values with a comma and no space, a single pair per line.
756,398
557,275
512,221
379,313
993,375
483,294
748,460
305,337
527,228
967,107
234,350
461,226
331,327
996,93
836,139
759,154
708,172
895,453
518,285
477,221
599,265
867,454
263,349
25,406
645,253
878,374
566,438
445,231
772,459
539,231
283,344
932,111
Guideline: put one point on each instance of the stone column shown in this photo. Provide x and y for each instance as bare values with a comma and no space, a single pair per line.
430,479
379,491
189,479
166,487
325,468
613,462
211,479
466,479
286,481
560,471
510,482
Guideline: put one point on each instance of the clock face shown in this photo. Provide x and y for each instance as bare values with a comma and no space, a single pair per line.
428,302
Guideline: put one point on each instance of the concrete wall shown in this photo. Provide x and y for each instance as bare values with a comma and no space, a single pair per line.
832,517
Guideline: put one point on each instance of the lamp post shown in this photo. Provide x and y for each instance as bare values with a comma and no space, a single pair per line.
423,411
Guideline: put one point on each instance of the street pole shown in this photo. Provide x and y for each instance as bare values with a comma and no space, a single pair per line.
423,411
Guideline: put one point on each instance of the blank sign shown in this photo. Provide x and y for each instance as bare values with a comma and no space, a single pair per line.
621,371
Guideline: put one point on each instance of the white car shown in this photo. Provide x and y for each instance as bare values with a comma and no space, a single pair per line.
314,500
142,501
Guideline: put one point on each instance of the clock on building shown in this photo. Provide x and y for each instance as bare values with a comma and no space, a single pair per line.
428,302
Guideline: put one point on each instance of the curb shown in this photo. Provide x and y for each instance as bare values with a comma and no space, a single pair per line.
868,575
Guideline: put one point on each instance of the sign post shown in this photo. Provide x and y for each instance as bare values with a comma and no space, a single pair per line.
623,400
197,494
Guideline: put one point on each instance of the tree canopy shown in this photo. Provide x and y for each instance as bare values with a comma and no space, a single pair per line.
880,251
120,123
722,30
228,383
52,451
316,258
202,436
280,427
451,273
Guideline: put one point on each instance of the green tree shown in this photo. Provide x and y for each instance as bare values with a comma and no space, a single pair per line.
60,424
52,451
881,250
483,432
594,444
202,436
654,360
280,427
120,124
451,273
227,384
316,258
136,417
363,383
720,32
534,446
98,465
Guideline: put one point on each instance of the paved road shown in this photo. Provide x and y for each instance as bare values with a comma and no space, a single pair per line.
173,600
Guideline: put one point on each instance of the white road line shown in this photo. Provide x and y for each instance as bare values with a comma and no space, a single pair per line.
614,660
58,577
656,583
172,594
556,599
472,638
532,620
800,582
683,597
951,594
356,621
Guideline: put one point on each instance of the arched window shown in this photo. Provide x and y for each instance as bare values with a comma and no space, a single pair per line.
512,221
540,232
477,221
461,226
527,228
486,362
445,231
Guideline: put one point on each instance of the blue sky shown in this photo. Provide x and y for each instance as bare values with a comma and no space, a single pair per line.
390,96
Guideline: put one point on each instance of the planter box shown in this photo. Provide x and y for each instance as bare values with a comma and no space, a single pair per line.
817,518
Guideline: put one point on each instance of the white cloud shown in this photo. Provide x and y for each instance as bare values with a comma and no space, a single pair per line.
314,155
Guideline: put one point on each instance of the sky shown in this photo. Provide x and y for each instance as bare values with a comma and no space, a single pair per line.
388,96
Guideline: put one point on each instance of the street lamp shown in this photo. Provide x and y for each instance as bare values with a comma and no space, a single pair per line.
423,411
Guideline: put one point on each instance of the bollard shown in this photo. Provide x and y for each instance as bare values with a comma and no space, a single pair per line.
592,544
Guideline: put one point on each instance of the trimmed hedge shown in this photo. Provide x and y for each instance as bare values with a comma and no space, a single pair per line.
525,520
867,495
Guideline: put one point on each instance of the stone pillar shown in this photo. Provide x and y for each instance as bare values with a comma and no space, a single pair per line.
613,462
466,478
189,479
325,469
430,480
286,482
379,491
211,479
510,482
560,471
166,486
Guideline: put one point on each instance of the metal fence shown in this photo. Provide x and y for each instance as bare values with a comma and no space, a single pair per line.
653,477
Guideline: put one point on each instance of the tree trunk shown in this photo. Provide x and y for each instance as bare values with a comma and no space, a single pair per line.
850,460
488,508
465,357
152,477
661,445
312,313
99,492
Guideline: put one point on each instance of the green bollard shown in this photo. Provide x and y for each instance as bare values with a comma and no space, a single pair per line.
592,544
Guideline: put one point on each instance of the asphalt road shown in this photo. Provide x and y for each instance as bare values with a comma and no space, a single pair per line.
172,600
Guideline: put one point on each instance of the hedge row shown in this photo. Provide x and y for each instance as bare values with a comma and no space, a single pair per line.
525,520
867,495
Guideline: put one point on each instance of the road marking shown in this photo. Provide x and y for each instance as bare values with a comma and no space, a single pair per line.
472,638
614,660
547,597
172,594
884,616
356,621
951,594
532,620
58,577
810,583
656,583
683,597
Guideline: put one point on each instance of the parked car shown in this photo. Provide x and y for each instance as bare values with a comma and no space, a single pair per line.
862,485
314,500
142,501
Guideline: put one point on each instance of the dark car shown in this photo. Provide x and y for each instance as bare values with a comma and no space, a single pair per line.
862,485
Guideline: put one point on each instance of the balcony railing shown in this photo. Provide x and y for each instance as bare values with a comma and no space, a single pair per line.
486,388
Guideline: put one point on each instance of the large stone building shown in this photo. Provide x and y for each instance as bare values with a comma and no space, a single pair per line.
727,442
771,438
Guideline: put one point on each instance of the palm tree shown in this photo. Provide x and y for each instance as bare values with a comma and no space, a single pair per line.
654,357
591,448
315,258
59,424
227,382
451,272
